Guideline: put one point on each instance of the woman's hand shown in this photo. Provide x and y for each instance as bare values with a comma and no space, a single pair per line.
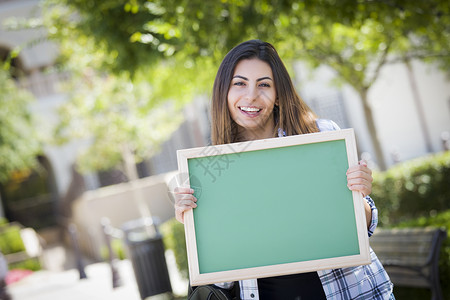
184,200
359,178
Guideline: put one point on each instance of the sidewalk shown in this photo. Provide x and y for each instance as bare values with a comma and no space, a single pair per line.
65,284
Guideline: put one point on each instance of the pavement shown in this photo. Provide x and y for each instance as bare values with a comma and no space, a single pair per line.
61,281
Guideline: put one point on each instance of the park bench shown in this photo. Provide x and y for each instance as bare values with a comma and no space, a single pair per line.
411,256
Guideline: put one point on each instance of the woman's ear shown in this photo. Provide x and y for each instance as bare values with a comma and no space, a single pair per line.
277,101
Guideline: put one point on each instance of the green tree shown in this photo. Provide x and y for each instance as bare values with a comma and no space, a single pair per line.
115,117
185,40
19,139
358,38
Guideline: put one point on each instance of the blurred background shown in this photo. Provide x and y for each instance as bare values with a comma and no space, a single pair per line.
97,96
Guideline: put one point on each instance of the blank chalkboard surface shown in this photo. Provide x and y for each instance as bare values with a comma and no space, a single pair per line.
273,207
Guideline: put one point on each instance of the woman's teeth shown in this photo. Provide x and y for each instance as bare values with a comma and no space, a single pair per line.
249,109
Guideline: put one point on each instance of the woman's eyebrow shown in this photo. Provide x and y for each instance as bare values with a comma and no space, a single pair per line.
239,76
262,78
259,79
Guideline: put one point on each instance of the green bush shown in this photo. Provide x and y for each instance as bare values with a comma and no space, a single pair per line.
32,264
11,242
174,239
10,239
118,248
439,220
413,189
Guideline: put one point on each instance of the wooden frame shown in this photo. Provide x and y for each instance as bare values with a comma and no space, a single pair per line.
273,207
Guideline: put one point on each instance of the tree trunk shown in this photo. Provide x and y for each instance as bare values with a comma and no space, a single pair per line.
138,197
372,131
419,107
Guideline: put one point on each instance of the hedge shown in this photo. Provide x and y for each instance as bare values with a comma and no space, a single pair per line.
174,239
10,239
413,189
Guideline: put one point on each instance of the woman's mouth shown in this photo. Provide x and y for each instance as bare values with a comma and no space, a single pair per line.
250,110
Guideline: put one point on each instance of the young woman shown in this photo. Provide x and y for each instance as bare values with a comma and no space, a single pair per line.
254,98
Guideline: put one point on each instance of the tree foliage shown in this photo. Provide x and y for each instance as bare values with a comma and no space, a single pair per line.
114,114
177,45
19,140
358,38
137,33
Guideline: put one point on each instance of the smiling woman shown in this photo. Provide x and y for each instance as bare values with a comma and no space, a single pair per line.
251,99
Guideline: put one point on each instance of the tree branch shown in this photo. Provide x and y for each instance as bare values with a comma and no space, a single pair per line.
325,55
381,63
410,56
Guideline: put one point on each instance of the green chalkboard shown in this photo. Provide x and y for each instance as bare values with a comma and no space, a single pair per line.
279,206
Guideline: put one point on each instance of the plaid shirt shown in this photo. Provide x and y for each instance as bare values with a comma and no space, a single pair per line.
368,282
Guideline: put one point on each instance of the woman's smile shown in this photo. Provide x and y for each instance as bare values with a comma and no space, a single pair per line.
250,110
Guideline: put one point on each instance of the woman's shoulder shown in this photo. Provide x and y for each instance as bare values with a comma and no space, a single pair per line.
326,125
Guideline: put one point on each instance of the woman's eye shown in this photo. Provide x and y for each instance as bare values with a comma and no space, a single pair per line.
264,84
239,83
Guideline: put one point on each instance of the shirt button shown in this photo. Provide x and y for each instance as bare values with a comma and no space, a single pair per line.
252,295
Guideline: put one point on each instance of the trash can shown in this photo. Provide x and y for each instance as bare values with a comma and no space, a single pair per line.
146,251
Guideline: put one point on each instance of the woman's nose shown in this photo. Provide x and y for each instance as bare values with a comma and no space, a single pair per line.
252,93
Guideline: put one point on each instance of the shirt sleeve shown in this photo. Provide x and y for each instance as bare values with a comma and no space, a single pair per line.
374,221
326,125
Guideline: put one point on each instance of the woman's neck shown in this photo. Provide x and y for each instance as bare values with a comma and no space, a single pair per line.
251,134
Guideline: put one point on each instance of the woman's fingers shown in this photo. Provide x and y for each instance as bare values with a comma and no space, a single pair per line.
364,188
179,212
359,178
184,200
183,190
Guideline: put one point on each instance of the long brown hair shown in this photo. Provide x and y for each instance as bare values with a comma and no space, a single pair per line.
292,115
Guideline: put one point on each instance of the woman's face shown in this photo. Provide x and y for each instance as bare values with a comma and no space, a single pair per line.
251,98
